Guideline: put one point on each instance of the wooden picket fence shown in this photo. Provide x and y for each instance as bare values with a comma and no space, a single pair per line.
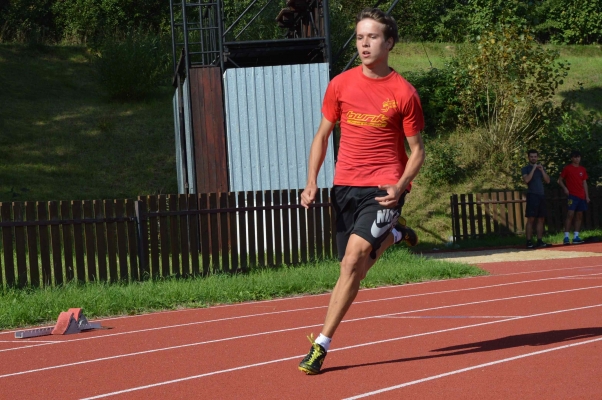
502,213
51,243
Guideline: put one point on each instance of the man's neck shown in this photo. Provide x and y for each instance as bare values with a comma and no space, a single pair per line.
376,72
574,164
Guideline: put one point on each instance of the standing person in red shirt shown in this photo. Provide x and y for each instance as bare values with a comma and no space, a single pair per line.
377,110
573,180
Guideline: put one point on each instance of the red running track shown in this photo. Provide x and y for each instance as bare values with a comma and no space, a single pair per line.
530,330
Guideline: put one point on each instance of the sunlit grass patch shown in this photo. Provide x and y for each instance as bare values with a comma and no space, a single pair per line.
39,306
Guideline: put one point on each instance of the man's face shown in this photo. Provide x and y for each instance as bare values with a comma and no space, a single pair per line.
370,42
532,158
576,160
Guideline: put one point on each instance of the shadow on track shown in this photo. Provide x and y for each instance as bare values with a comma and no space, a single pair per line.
508,342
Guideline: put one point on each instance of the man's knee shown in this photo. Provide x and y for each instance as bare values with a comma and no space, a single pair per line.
353,263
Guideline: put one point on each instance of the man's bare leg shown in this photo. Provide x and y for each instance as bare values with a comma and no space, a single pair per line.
371,261
354,267
540,223
529,228
578,219
568,220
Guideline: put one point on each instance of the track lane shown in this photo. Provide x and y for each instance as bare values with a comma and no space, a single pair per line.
538,374
84,348
361,369
220,357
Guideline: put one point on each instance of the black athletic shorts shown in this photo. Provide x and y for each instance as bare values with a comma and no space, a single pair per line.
357,212
536,206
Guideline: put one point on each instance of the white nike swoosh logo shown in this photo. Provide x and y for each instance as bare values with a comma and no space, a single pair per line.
382,223
377,231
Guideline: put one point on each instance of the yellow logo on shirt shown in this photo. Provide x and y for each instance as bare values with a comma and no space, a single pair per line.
388,104
359,119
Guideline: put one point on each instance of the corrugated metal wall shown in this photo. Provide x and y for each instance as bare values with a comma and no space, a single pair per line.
189,140
272,114
179,164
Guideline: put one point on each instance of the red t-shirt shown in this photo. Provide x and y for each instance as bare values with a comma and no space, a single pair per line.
573,178
375,115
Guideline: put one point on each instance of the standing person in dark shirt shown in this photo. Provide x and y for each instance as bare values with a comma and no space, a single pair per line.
534,176
573,180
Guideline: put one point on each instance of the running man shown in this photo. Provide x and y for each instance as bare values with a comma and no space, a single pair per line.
377,109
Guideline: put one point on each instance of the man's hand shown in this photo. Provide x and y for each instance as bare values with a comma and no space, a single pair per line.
308,196
566,191
539,167
392,197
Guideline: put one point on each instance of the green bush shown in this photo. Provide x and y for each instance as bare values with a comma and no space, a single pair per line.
570,21
438,95
442,165
86,21
505,87
132,67
417,18
572,130
27,20
466,19
89,21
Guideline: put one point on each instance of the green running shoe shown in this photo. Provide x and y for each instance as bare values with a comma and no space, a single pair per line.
407,234
312,363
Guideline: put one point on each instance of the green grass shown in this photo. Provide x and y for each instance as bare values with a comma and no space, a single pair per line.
41,306
586,64
62,139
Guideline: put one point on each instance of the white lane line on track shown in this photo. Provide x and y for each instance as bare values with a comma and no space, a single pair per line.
333,350
311,326
326,294
22,342
459,371
580,277
283,312
450,316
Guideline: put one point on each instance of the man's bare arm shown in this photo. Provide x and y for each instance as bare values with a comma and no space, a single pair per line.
414,162
412,168
317,153
527,177
561,183
546,177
